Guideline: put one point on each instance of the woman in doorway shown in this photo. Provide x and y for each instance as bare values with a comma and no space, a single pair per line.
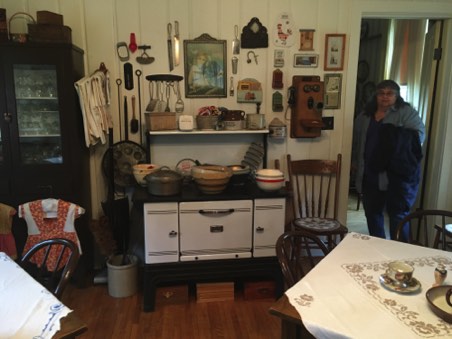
386,158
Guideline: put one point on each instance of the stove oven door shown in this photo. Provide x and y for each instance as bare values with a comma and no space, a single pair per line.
215,229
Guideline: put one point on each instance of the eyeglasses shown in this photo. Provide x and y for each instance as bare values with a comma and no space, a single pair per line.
385,93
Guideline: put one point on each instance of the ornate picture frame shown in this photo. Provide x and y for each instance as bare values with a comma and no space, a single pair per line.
205,67
334,52
332,90
305,60
306,39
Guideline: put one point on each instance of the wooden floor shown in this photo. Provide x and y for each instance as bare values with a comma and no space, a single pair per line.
122,318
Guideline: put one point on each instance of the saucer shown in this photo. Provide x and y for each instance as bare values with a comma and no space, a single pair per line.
411,287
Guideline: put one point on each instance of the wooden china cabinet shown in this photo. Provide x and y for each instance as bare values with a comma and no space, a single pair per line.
42,151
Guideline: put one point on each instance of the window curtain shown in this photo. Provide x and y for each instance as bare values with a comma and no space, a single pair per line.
405,55
426,74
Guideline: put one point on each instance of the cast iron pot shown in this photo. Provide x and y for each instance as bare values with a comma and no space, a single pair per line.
164,182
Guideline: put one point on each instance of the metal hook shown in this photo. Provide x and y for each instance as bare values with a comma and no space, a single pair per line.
249,59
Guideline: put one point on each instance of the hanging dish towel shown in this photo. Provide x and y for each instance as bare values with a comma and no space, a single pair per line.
94,96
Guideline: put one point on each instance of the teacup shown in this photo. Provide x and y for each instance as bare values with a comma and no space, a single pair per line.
400,272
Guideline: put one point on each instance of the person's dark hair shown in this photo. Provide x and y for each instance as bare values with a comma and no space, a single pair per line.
371,106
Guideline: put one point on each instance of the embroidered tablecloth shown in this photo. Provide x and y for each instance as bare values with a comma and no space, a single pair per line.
27,309
342,296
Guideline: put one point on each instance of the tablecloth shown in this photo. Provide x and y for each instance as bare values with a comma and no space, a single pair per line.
342,296
27,309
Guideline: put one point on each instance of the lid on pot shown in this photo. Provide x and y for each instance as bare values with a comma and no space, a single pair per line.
164,175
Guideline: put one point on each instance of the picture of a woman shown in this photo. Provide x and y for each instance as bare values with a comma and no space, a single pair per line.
205,70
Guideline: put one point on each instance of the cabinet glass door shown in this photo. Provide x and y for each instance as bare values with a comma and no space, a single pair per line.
1,149
38,116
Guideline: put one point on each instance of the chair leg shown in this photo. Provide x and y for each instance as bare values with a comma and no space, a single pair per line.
437,238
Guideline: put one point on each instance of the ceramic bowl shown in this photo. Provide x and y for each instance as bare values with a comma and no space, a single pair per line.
211,172
281,177
436,297
269,173
211,179
270,184
141,170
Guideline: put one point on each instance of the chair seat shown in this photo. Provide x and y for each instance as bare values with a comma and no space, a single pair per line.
317,224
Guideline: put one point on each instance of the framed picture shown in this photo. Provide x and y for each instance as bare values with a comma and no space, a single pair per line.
205,67
305,60
334,52
333,88
307,39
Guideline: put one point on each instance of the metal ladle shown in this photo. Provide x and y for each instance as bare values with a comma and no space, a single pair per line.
179,103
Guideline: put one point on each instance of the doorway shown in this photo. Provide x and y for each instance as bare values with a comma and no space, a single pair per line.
374,50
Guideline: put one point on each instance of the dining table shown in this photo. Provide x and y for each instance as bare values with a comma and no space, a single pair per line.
346,296
29,310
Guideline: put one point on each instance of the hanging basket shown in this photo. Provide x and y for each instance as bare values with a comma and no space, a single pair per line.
19,37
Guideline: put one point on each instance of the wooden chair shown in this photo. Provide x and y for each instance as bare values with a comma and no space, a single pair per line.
315,190
423,223
52,262
295,256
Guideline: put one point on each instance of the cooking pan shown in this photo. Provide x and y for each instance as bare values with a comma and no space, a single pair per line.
164,182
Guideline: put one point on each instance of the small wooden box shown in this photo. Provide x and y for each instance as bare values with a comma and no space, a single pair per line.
160,121
49,33
223,291
259,290
49,18
171,295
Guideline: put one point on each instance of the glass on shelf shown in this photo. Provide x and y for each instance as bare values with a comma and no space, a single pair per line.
38,116
1,147
42,153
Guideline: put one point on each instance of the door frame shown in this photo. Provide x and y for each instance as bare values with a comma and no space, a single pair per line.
399,10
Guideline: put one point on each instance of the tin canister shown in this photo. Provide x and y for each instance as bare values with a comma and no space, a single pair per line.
277,129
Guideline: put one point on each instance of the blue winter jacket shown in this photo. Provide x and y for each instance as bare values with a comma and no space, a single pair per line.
406,117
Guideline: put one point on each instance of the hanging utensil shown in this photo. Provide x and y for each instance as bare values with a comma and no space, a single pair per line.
152,102
176,44
170,47
168,89
128,76
144,58
118,83
138,74
179,103
236,41
231,87
134,120
133,43
161,104
126,119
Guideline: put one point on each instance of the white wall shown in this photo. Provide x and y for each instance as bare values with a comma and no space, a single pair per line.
98,25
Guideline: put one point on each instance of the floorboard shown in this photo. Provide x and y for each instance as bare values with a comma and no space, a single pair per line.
122,318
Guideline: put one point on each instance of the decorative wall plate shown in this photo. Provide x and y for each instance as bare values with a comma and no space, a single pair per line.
283,31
